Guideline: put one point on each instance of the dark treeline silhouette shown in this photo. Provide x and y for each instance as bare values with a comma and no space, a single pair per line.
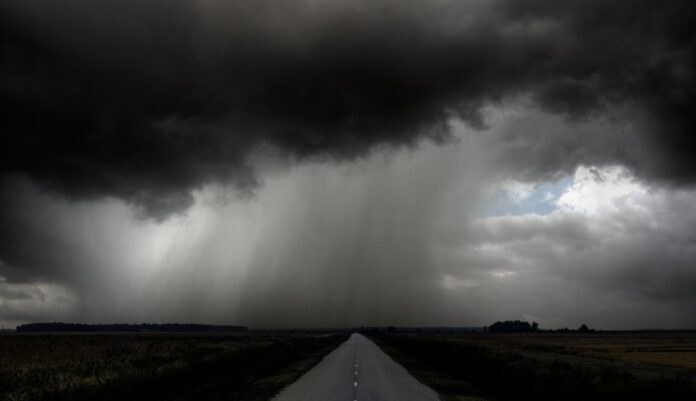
518,326
512,326
144,327
581,329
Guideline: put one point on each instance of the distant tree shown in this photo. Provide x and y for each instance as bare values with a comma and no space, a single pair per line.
583,329
535,326
144,327
509,326
391,329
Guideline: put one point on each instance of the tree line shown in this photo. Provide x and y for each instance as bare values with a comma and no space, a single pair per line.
54,327
518,326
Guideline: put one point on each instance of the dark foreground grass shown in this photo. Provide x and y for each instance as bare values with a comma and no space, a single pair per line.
155,366
471,369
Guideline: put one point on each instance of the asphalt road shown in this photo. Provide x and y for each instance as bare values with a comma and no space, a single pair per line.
357,371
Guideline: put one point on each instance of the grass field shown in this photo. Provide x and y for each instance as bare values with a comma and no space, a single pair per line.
155,366
541,366
673,350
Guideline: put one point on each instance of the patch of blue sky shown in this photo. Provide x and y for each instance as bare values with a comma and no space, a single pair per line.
540,199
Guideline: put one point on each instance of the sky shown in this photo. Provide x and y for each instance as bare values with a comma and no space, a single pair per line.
335,163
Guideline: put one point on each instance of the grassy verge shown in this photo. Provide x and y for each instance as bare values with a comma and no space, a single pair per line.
147,367
466,370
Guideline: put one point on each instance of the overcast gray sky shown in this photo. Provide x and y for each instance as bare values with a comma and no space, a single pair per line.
338,163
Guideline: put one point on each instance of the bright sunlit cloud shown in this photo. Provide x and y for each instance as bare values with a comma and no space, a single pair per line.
602,190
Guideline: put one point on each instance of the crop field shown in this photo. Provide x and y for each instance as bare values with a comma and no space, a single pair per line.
154,366
546,366
638,350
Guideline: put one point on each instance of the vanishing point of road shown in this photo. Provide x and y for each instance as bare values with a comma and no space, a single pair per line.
357,371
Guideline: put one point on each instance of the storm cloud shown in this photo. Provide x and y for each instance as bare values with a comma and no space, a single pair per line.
333,163
148,100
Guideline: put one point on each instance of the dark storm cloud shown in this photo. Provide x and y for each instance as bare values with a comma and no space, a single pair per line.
636,52
147,100
30,247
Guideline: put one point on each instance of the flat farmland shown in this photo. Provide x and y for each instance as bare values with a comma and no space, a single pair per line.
155,366
551,366
672,350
